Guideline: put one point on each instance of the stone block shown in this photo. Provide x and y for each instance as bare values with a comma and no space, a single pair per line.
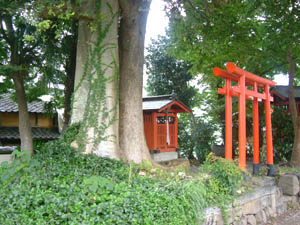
244,221
264,181
261,217
212,216
270,212
278,194
164,156
281,207
294,199
289,184
265,201
286,198
252,207
267,213
254,195
274,200
251,220
294,173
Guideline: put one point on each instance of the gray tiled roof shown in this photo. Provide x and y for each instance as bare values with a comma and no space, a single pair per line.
38,133
156,102
283,91
8,105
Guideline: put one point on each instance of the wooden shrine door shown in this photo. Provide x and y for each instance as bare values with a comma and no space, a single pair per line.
166,132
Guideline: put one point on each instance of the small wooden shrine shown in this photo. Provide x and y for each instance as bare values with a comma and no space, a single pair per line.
160,122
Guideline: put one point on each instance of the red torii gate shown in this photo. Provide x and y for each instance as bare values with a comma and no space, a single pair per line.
244,79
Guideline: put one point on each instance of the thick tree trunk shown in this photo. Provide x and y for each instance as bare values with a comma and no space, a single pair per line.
134,14
84,102
70,78
85,39
295,159
24,119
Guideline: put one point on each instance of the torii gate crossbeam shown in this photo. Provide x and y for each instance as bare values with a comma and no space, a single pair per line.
246,79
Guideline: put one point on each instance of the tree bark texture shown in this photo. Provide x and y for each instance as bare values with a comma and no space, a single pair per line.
24,119
85,39
295,159
86,43
134,15
70,79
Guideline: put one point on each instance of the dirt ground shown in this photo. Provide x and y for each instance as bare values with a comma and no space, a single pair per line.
290,217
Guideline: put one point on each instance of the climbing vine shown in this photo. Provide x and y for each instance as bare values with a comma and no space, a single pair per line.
98,116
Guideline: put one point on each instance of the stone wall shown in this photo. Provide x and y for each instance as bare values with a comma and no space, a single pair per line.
258,206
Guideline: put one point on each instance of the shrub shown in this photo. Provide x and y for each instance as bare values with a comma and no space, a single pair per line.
61,186
195,137
224,178
283,135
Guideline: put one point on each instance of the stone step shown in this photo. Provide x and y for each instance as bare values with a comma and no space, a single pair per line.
264,181
164,156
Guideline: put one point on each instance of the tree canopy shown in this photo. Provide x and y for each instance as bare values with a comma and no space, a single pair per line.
166,74
260,36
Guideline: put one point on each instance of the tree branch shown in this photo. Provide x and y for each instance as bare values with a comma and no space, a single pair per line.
274,67
78,12
197,11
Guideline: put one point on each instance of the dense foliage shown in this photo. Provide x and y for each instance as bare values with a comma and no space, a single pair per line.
166,74
195,137
283,134
61,186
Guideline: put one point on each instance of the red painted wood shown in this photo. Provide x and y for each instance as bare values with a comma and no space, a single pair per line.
228,119
244,79
261,82
255,129
268,127
242,123
156,134
182,108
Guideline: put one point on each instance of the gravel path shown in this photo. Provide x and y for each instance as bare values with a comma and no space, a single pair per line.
290,217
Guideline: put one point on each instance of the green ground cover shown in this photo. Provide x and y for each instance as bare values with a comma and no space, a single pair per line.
59,185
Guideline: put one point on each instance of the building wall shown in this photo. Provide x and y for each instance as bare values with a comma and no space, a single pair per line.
11,119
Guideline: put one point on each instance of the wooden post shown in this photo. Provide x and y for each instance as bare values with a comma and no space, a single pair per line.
269,132
228,120
242,123
244,78
255,133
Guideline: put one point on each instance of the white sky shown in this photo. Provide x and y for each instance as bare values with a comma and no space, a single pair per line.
157,21
281,80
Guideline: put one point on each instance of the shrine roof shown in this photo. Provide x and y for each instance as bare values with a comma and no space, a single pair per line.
38,133
162,102
8,105
282,91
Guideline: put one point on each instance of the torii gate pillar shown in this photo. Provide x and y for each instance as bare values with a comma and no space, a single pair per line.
244,80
